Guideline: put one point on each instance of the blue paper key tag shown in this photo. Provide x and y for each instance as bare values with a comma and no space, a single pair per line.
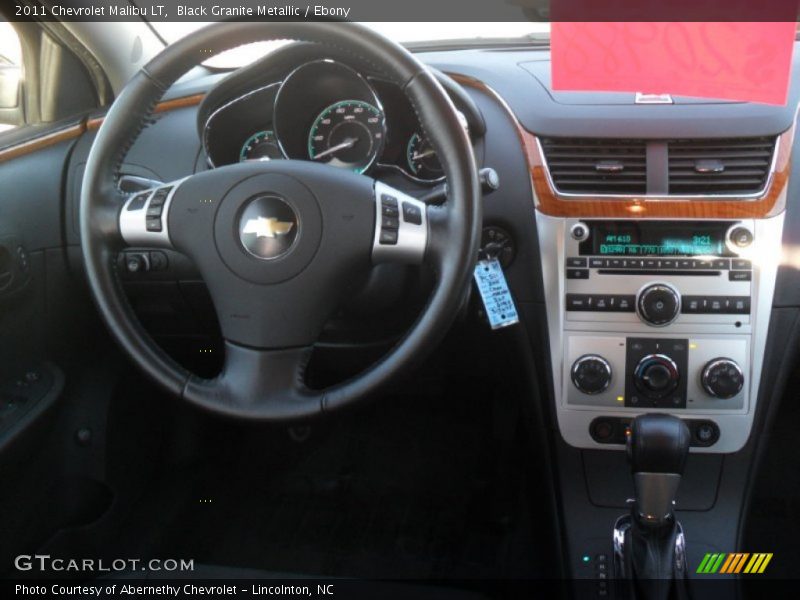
495,294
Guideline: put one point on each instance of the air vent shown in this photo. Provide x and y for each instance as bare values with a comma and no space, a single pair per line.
716,167
596,166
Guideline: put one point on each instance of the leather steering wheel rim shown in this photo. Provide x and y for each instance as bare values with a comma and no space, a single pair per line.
452,238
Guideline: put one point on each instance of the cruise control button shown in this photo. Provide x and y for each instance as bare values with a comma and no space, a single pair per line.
153,224
387,210
388,237
390,223
412,213
154,211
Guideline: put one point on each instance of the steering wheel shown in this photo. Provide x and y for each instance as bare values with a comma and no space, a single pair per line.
280,244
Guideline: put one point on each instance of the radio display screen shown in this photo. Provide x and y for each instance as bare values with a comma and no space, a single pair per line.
655,238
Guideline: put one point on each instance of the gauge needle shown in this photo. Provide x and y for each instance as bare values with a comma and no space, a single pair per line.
348,143
421,155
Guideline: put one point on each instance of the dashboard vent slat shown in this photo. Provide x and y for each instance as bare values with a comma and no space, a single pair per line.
746,163
582,165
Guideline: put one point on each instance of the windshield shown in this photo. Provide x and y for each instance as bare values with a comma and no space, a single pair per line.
413,33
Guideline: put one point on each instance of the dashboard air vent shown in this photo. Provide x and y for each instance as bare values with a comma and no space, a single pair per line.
724,166
596,166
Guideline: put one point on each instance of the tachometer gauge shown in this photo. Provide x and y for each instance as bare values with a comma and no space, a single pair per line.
422,159
348,134
260,146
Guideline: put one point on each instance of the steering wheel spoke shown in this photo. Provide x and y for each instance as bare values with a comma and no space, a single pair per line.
144,218
401,227
265,383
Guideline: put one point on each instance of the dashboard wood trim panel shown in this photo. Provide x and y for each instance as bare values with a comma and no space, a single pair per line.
550,202
74,131
41,142
165,106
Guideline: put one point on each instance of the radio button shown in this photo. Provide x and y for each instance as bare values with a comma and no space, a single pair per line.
742,264
740,275
703,264
650,263
615,263
597,263
686,263
741,237
632,263
577,273
576,262
658,304
668,264
722,263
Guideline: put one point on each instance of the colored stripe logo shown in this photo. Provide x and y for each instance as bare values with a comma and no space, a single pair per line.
734,562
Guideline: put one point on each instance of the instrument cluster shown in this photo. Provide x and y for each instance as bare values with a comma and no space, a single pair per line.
327,112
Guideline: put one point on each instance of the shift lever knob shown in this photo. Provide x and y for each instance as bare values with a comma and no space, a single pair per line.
658,445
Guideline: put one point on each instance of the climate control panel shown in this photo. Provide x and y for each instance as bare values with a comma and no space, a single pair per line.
644,373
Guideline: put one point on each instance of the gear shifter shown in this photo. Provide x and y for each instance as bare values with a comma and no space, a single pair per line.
658,445
648,543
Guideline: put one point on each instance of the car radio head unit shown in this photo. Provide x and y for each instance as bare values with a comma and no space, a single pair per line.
657,238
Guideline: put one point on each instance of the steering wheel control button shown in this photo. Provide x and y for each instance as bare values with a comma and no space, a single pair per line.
659,304
268,227
388,237
722,378
591,374
399,239
138,201
412,214
154,224
390,223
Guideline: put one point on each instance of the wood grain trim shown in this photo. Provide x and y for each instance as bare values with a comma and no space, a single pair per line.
165,106
42,142
550,202
74,131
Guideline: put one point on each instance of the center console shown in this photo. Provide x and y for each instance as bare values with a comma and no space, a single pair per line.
657,315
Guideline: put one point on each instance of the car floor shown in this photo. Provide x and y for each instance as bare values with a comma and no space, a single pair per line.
422,484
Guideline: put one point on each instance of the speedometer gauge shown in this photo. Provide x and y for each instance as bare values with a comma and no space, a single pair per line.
348,134
260,146
422,159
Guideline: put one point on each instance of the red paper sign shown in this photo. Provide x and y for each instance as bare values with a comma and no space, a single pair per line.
748,62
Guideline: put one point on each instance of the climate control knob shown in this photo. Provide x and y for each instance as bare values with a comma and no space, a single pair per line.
591,374
656,376
658,304
722,378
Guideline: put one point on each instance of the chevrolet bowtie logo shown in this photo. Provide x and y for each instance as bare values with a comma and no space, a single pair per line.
269,227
